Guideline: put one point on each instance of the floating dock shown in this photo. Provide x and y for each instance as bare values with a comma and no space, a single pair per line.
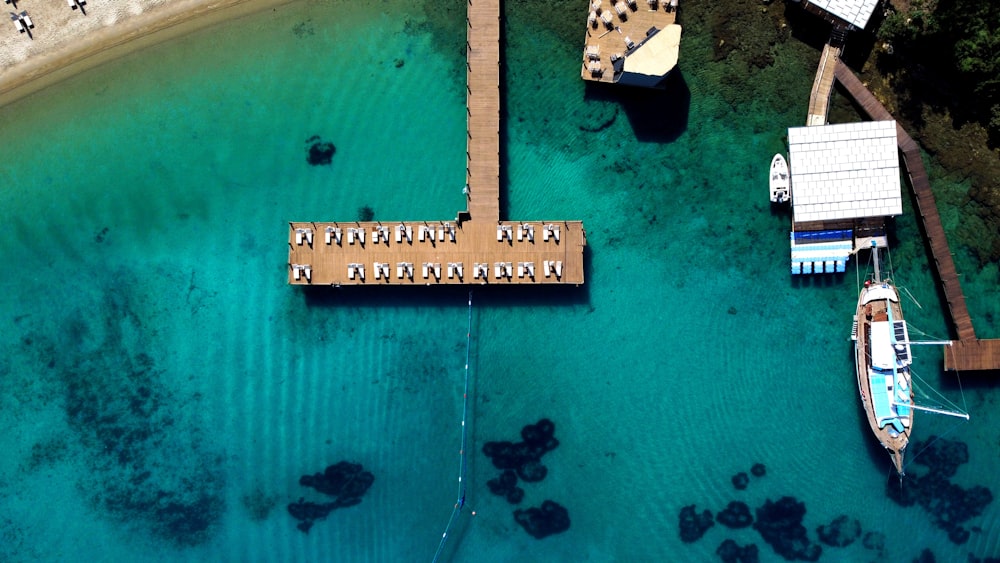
478,247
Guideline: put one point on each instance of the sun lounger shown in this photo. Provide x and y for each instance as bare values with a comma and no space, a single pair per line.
399,270
27,19
350,270
378,270
309,236
475,270
385,270
361,271
497,268
375,235
499,233
520,233
309,273
555,232
399,233
425,267
450,229
437,270
329,235
298,237
546,268
530,267
409,233
546,231
520,269
296,271
559,268
440,233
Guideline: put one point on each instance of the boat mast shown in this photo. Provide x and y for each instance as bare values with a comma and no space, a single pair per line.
935,411
878,275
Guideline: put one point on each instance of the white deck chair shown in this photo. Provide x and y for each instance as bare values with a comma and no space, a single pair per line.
309,236
546,231
378,270
425,267
546,268
399,233
451,270
361,237
555,232
559,268
499,233
309,273
496,269
437,270
409,233
520,269
440,233
530,266
399,270
298,237
475,270
350,235
296,271
350,271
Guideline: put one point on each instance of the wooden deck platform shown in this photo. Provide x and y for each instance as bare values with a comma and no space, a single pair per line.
483,104
475,248
973,355
436,253
969,352
822,89
639,18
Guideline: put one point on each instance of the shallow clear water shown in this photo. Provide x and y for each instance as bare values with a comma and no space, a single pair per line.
163,388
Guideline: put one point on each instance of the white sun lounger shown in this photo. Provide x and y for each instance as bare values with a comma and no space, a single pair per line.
459,270
475,270
350,235
440,233
298,237
451,270
361,236
329,234
409,233
530,266
399,233
361,271
520,269
437,270
375,235
546,267
520,233
499,233
309,272
497,267
385,270
296,271
399,270
378,270
425,267
309,236
350,271
559,268
546,231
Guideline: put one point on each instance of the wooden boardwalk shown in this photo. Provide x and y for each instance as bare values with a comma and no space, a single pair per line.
822,89
477,247
483,104
968,353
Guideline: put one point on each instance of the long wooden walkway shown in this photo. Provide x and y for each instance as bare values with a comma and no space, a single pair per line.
968,353
483,104
819,97
477,247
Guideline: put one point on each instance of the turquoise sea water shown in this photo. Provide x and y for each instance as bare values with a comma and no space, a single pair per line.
162,388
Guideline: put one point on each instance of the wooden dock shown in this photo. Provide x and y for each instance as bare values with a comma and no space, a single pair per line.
483,104
968,352
618,29
822,89
475,248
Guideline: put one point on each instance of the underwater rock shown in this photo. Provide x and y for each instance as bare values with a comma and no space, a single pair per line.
525,457
731,552
740,481
694,525
758,470
320,153
843,531
551,518
780,524
874,541
736,515
506,486
926,556
345,481
941,455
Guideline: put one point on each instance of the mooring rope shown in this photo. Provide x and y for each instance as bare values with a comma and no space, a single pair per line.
463,465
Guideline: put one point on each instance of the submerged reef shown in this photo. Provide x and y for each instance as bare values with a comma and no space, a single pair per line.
551,518
949,504
346,482
780,524
731,552
319,152
139,455
843,531
694,524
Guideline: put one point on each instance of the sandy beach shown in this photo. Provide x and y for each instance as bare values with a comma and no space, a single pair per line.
65,41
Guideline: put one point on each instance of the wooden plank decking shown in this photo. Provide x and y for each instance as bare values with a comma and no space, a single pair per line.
483,104
440,252
822,89
634,25
968,353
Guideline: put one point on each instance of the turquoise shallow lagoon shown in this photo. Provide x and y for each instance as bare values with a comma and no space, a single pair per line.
163,389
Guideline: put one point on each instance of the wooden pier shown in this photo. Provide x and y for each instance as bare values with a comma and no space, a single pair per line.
968,352
475,248
819,97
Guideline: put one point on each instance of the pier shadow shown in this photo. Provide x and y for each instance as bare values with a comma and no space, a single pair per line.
656,115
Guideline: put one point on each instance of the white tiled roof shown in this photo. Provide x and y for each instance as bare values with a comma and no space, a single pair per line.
856,12
844,171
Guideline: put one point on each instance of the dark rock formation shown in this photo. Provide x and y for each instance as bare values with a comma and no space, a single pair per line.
525,457
780,524
506,486
320,153
740,481
550,519
949,504
694,525
345,481
758,470
926,556
843,531
731,552
736,515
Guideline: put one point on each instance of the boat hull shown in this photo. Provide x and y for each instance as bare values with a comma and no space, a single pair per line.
882,369
780,183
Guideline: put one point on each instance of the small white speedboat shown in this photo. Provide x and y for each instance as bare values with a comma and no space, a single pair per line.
780,181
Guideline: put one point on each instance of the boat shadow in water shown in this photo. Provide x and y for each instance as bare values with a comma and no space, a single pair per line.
657,115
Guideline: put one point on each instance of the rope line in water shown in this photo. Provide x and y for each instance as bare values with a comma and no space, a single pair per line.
463,466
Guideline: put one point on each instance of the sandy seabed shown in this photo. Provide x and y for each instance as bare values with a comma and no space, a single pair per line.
65,41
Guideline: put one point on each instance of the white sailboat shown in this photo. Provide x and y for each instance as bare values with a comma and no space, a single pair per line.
882,364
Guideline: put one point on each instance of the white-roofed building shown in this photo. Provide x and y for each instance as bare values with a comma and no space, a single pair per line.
854,13
845,182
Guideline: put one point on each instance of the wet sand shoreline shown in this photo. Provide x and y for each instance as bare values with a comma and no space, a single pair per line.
66,42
